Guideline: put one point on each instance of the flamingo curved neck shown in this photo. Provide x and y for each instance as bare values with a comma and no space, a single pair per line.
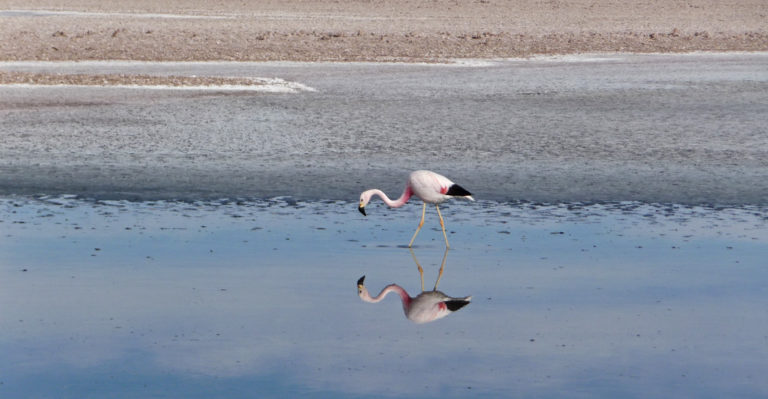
404,297
407,193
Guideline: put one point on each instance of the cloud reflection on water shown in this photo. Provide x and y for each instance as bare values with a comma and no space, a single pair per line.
228,299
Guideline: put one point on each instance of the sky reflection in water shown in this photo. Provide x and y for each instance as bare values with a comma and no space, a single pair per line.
258,299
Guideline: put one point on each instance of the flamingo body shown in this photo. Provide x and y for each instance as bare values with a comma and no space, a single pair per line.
434,188
428,186
432,305
425,307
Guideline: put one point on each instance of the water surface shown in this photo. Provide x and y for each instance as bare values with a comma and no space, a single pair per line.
258,298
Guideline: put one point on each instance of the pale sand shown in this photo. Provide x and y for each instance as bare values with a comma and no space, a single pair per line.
374,30
147,81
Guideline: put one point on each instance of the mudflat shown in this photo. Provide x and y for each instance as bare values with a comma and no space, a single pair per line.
375,30
553,145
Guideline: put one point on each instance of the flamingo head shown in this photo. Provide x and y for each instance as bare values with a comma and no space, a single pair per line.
365,197
361,290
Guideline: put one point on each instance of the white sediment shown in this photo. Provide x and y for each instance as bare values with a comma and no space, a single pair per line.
50,13
275,87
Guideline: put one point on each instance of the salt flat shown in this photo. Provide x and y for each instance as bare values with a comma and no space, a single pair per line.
654,128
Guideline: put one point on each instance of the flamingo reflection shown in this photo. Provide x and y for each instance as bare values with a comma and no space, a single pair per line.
425,307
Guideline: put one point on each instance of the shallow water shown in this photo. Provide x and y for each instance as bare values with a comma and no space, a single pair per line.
652,127
258,298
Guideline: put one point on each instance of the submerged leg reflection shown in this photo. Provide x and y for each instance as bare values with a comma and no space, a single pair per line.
421,270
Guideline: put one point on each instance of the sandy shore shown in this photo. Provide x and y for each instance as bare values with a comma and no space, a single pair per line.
376,30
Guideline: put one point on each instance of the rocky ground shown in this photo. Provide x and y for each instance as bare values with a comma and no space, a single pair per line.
121,79
373,30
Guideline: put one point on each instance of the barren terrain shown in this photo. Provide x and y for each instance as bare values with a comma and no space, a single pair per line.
374,30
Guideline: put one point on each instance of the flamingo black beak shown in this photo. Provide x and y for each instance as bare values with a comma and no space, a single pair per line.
362,210
360,286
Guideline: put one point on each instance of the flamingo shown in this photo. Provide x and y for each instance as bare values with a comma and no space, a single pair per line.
430,187
425,307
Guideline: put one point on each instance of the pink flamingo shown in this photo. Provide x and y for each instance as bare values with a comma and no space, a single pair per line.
425,307
430,187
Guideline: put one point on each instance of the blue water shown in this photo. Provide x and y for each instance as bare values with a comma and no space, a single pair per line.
228,299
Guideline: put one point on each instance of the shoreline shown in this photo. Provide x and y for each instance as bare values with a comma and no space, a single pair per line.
374,31
10,76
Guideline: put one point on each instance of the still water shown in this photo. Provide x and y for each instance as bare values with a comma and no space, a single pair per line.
258,298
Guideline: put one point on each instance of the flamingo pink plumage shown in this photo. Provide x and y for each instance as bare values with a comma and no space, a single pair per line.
428,186
425,307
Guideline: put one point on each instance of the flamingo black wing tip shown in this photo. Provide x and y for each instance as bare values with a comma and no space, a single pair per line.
456,304
457,191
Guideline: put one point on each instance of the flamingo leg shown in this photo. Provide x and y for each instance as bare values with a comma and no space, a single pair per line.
442,267
421,271
442,225
423,211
